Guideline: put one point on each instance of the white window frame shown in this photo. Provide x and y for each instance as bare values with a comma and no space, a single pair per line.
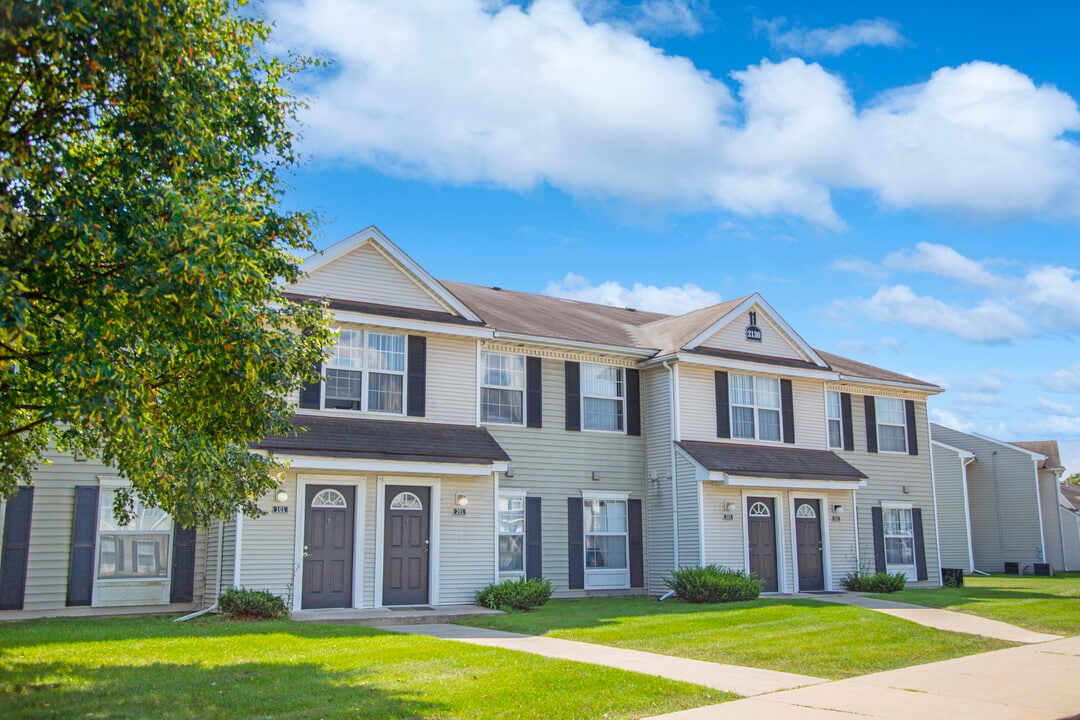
484,385
756,408
605,578
108,485
365,370
910,571
620,398
903,426
829,420
512,495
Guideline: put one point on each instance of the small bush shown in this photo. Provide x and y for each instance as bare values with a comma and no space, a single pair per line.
242,604
520,594
713,584
882,582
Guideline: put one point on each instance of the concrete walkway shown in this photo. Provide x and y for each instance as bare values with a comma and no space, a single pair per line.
730,678
940,619
1030,682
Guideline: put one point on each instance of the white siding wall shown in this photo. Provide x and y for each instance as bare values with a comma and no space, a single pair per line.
1051,529
952,513
1070,526
366,275
688,490
774,342
466,543
656,426
267,544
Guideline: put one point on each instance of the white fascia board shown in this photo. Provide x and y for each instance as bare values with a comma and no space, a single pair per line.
959,451
758,367
408,467
928,389
373,234
425,326
1002,443
785,483
575,344
773,316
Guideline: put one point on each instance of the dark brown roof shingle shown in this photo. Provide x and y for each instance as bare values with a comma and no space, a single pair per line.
767,462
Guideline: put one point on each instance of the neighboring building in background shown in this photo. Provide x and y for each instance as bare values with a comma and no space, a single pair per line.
999,503
462,434
1070,523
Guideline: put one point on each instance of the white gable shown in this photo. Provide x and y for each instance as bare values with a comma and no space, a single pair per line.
755,328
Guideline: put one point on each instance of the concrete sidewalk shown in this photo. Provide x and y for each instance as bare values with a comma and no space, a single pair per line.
1031,682
941,619
740,680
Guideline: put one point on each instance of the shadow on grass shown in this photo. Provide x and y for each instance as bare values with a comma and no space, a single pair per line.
165,690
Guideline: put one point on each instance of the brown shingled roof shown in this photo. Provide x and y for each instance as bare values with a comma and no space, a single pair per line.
847,366
768,462
1049,448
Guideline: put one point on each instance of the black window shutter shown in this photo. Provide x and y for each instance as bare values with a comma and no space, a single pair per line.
417,375
533,541
183,565
871,423
534,393
573,395
912,434
16,549
637,554
83,538
633,402
723,417
575,524
920,547
787,411
879,539
309,392
845,418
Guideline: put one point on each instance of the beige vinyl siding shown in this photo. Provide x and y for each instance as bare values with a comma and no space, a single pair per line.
687,500
1002,499
267,545
555,464
466,542
1051,529
952,513
656,427
843,550
1070,526
888,474
725,540
774,343
366,275
697,409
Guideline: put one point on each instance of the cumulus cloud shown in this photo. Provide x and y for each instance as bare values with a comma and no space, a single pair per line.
836,40
481,92
944,261
1066,380
652,18
949,419
673,300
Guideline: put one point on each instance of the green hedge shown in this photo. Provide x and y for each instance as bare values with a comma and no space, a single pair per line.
713,584
882,582
243,604
520,594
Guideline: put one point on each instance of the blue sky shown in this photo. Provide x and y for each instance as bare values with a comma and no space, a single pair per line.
902,183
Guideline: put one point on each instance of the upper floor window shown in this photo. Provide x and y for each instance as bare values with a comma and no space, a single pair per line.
891,424
835,419
755,407
366,371
502,388
602,396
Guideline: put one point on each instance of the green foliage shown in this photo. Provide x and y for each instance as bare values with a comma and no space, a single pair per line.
141,243
244,604
1073,479
520,594
713,584
882,582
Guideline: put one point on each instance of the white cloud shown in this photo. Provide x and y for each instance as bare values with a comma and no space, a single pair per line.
891,343
944,261
655,18
1055,407
672,299
1066,380
949,419
475,92
836,40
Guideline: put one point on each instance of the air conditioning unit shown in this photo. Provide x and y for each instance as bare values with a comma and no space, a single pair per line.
1044,569
1012,568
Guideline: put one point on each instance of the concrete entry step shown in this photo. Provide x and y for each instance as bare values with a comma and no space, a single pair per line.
383,617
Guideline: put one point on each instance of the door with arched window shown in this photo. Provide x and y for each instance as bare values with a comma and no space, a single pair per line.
808,549
761,536
328,547
406,545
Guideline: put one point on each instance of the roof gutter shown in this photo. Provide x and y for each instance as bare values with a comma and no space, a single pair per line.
929,389
576,344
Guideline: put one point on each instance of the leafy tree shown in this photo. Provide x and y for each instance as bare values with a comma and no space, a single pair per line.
142,149
1073,479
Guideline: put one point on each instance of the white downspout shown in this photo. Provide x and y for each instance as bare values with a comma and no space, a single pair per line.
217,578
1038,505
933,490
674,485
964,462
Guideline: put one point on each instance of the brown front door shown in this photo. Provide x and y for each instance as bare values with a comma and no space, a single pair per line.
808,544
328,547
406,545
761,536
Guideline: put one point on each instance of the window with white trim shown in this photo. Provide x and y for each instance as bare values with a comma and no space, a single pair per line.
602,397
755,407
899,532
835,419
512,534
139,550
891,424
502,388
366,371
606,537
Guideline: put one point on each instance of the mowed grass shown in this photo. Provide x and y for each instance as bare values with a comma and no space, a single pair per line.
1043,604
798,636
154,668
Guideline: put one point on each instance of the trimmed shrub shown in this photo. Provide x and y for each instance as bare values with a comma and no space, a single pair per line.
713,584
243,604
882,582
520,594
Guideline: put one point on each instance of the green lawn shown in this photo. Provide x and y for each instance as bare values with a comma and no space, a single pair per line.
135,668
1043,604
800,636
